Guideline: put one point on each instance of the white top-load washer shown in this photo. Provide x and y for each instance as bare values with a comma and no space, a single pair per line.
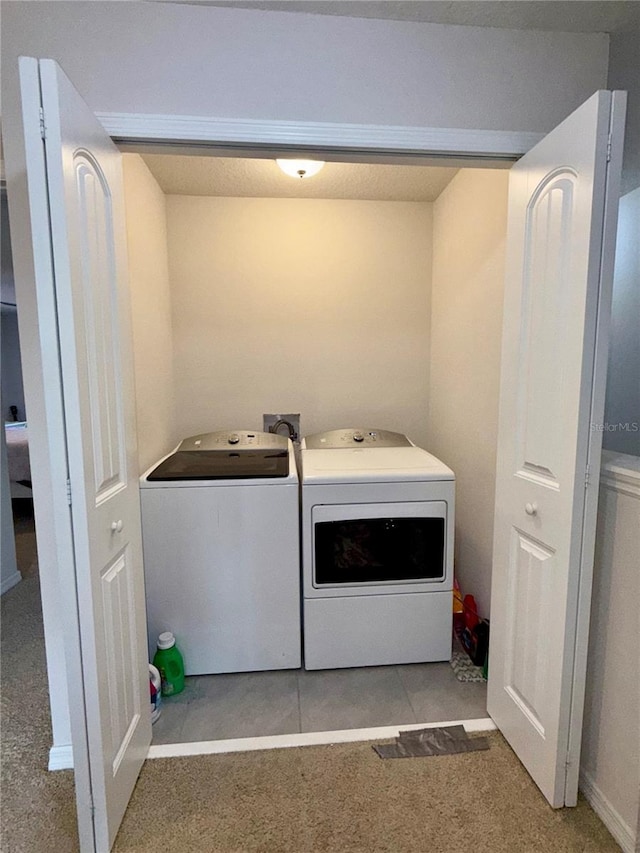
220,529
377,550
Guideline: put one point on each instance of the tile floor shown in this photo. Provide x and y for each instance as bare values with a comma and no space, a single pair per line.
215,707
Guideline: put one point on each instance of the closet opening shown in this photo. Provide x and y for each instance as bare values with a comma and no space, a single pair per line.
368,297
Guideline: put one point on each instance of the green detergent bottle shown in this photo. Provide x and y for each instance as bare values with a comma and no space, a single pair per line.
168,661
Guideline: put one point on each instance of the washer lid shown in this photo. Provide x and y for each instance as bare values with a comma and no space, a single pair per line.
235,455
345,438
367,465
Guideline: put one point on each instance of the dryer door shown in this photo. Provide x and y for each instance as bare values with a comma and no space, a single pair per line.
373,548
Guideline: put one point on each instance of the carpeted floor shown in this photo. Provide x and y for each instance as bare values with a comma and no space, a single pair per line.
344,799
339,799
38,807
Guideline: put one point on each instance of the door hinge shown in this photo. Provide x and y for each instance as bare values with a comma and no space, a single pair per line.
43,127
587,476
609,149
69,491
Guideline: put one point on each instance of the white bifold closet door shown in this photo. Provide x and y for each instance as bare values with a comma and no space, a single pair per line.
110,715
563,202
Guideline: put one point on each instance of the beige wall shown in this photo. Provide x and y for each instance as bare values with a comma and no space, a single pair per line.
610,763
150,310
296,305
469,220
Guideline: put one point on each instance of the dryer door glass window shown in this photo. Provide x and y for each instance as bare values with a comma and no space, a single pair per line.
392,549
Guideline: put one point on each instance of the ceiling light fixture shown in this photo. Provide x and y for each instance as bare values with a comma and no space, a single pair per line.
300,168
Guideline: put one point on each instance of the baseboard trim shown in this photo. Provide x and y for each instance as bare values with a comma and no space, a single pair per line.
10,582
620,830
61,757
250,744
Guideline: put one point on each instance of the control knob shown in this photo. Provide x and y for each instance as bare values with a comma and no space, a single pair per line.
234,438
358,436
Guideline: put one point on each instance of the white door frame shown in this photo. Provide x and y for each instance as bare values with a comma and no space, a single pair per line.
37,316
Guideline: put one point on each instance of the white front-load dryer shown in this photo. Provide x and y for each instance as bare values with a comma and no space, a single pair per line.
220,529
377,550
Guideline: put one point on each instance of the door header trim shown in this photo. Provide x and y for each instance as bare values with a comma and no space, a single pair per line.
203,130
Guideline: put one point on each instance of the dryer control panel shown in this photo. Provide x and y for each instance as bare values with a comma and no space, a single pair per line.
336,438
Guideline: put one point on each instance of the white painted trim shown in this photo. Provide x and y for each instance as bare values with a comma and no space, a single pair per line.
621,473
10,582
251,744
605,189
620,830
61,757
204,129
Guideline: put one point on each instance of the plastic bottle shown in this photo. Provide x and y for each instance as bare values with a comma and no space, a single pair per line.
169,661
155,687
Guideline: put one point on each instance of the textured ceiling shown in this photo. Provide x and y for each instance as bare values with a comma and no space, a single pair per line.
578,16
226,176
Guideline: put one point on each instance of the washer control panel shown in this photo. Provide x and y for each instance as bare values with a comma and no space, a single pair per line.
236,440
349,438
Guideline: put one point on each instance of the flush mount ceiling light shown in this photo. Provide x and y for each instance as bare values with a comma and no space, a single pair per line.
300,168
